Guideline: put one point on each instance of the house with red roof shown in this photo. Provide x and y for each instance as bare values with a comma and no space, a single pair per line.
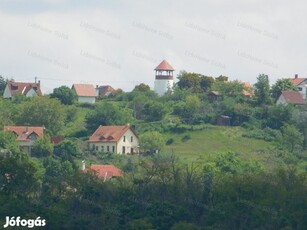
26,135
290,97
114,139
104,90
22,88
86,93
301,84
106,172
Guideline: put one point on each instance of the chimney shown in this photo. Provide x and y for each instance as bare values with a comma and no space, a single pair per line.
296,76
39,82
83,165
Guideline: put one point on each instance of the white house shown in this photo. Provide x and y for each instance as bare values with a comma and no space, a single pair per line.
164,77
290,97
114,139
301,84
22,88
26,135
86,93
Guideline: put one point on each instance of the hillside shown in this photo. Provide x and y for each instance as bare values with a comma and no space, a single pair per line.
202,146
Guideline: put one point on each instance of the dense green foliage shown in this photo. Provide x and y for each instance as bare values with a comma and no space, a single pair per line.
66,95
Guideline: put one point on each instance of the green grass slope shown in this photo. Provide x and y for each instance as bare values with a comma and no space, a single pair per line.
202,146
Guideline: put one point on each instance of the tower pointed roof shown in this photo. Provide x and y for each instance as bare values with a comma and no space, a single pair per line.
164,65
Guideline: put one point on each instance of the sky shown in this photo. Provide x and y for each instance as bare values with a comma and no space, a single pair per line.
120,42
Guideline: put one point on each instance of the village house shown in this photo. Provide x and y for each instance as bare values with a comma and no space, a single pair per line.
104,90
86,93
301,85
114,139
290,97
22,88
105,172
25,135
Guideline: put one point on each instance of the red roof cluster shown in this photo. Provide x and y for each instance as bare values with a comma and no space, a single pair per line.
23,88
105,171
293,97
164,65
25,133
84,90
108,133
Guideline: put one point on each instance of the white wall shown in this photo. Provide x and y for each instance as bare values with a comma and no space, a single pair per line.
281,100
304,88
86,100
161,86
127,143
7,92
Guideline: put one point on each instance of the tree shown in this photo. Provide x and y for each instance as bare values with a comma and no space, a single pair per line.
67,150
66,95
20,175
42,111
206,82
262,90
42,147
154,111
292,138
229,89
108,114
142,88
2,84
8,141
281,85
221,78
150,142
189,81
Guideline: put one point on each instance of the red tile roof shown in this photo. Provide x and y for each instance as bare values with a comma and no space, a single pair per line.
105,89
293,97
297,81
84,90
24,133
57,140
23,88
105,171
108,133
164,65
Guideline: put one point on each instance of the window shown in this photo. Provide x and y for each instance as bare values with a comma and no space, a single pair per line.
124,150
124,138
93,147
113,149
131,138
108,149
131,151
97,148
299,88
102,148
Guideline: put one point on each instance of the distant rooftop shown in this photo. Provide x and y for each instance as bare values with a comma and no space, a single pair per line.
164,65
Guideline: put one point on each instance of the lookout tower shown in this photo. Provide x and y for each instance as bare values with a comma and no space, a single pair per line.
164,77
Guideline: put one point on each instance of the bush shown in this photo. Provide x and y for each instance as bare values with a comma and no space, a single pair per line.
185,138
266,134
170,141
